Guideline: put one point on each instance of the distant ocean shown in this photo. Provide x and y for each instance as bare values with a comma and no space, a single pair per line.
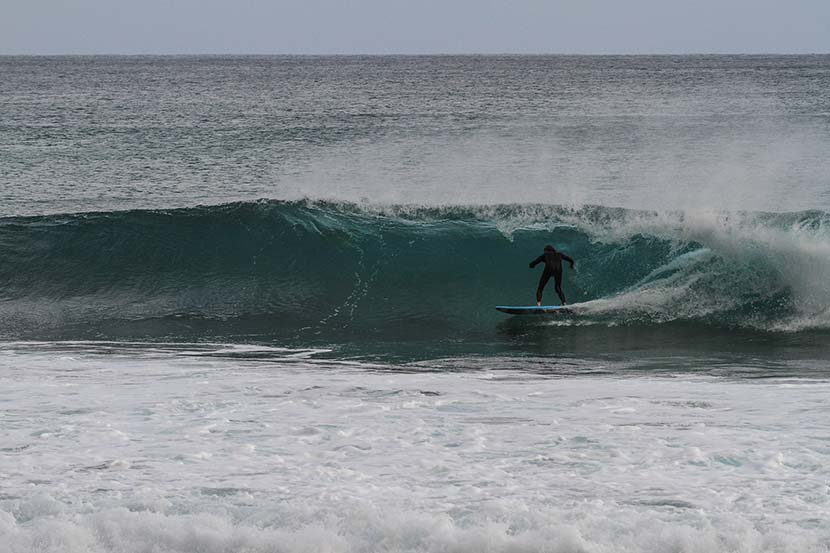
246,304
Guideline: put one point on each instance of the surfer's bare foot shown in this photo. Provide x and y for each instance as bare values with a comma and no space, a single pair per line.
539,304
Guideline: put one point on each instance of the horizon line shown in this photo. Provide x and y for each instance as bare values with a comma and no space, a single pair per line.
413,55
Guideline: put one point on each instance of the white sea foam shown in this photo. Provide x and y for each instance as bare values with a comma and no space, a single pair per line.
217,453
757,255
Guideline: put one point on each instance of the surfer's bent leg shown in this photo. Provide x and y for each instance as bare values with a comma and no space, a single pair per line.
558,280
542,281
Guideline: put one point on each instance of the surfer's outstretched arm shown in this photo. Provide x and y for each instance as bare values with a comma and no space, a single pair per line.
568,259
537,261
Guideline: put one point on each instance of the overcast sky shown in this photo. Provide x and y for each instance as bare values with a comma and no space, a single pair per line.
413,26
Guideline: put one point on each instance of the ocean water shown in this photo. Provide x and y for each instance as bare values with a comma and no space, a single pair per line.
246,304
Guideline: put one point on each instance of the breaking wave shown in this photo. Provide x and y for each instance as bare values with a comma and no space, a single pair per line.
300,270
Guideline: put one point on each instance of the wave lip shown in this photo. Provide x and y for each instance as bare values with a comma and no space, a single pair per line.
363,271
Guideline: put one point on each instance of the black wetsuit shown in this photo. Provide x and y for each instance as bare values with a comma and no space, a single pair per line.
553,268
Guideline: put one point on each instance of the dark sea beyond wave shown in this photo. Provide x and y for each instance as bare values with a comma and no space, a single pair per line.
316,273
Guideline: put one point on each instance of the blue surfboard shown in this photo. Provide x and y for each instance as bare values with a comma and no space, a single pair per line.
534,309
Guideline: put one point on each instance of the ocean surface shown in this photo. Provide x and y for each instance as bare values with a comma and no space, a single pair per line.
246,304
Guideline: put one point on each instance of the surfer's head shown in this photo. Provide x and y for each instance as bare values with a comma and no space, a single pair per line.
550,248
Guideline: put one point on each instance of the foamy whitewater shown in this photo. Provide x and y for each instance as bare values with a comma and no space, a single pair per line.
213,448
246,304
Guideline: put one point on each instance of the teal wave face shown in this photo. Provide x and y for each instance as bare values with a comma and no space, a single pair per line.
310,271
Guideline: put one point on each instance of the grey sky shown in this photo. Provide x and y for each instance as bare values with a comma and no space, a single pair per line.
413,26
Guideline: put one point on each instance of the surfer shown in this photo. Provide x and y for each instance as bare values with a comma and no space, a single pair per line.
553,268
